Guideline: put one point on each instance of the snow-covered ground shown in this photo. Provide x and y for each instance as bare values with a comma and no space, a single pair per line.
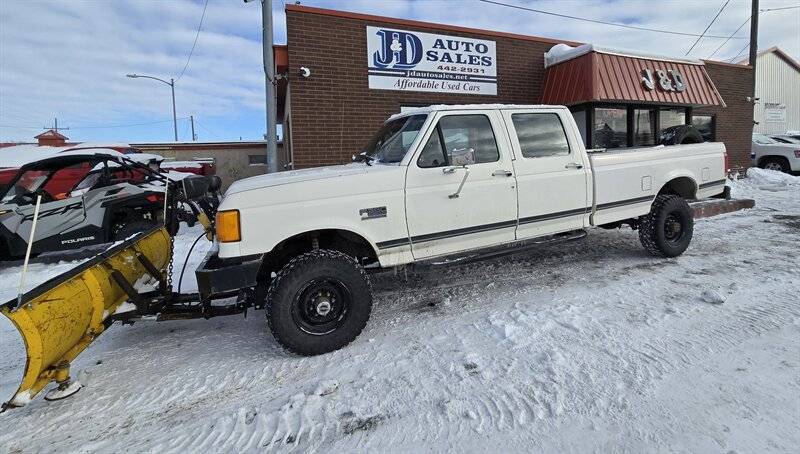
587,346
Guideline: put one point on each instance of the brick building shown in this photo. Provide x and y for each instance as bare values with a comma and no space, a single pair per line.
330,112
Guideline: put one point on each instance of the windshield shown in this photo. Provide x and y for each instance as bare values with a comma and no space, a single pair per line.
763,140
28,182
393,140
787,139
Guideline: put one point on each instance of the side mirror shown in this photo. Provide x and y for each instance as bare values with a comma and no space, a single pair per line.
462,156
195,187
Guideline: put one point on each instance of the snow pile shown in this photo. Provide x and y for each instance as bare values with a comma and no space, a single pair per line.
773,179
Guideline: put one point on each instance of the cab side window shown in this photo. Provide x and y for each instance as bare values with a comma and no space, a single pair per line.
540,135
460,140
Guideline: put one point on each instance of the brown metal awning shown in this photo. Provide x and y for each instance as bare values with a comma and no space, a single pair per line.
603,76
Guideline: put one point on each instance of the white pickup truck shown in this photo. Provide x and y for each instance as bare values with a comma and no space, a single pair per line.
438,184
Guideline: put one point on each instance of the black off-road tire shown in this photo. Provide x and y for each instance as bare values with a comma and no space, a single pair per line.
292,292
120,232
656,231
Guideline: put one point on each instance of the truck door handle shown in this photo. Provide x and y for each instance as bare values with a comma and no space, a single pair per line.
502,173
573,165
460,186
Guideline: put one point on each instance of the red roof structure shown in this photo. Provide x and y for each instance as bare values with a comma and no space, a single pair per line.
52,138
601,75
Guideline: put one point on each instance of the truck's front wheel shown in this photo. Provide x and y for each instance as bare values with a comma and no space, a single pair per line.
667,230
319,302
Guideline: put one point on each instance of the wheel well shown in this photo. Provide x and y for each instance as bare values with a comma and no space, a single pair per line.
344,241
682,186
764,159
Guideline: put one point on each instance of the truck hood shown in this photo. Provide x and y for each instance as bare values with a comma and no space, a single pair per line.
299,176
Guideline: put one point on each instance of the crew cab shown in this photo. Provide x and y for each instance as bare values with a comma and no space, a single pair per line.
436,185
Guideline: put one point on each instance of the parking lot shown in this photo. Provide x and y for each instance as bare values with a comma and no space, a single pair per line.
586,346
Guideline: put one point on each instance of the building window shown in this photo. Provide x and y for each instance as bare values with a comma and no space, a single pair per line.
672,116
540,135
644,127
610,127
705,124
257,159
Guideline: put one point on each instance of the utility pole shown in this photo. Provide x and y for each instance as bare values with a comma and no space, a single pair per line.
753,35
271,134
269,72
55,126
753,46
191,119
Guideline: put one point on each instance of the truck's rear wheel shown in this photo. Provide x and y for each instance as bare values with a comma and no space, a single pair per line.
319,302
667,230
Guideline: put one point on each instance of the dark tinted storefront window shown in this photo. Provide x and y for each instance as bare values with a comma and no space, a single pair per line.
704,124
610,128
672,116
644,126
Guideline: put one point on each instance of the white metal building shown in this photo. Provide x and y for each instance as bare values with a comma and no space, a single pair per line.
778,90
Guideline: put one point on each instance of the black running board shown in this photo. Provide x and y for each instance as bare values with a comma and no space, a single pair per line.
501,250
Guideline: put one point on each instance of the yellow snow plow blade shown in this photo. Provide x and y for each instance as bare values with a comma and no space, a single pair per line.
60,318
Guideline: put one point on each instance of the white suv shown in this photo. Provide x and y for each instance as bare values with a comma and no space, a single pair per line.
770,154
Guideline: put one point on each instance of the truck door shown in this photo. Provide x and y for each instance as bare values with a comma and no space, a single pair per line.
552,175
460,188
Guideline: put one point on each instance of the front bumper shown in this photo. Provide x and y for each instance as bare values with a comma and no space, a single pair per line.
217,276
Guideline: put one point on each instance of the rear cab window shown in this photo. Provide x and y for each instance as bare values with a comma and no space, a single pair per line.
540,135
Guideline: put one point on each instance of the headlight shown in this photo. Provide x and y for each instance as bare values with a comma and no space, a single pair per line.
228,228
797,154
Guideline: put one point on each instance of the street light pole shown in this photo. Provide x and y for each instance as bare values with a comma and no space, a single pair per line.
174,116
171,84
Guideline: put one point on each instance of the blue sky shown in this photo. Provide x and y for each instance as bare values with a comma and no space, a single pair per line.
68,59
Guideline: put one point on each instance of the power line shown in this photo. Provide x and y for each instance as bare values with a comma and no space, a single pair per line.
778,9
127,125
200,26
745,23
709,26
729,38
740,53
206,129
98,126
596,21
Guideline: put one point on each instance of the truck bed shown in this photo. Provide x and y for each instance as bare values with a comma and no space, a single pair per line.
625,181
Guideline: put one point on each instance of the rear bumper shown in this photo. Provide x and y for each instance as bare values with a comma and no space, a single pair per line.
216,276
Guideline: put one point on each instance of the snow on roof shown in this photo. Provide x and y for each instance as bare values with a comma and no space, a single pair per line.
439,107
562,52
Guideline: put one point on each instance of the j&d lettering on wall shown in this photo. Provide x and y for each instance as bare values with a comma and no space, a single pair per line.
669,80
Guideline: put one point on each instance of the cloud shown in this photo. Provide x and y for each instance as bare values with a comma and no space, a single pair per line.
69,59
